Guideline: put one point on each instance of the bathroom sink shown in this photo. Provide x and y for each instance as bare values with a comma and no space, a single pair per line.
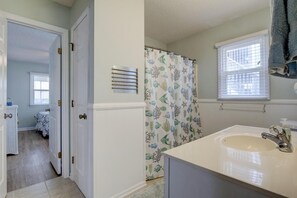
249,143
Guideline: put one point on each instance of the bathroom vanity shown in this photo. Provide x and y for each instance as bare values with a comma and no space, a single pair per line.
235,162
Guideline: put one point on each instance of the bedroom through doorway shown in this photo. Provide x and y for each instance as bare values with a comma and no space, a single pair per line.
34,103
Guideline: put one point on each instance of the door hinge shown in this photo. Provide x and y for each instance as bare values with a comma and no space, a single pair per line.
72,46
72,103
60,50
60,155
59,103
72,159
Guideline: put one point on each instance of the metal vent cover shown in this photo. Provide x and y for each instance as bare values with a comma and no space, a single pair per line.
124,79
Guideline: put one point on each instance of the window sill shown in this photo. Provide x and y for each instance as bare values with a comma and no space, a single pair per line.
36,105
243,99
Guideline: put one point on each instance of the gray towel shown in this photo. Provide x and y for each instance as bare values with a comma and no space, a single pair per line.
292,21
283,49
279,33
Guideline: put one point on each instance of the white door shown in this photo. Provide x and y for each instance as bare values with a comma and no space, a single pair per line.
55,108
3,65
80,55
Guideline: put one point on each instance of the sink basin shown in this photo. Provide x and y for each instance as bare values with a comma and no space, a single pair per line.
249,143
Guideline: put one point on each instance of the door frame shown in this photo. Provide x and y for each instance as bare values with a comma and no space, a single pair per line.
64,83
84,14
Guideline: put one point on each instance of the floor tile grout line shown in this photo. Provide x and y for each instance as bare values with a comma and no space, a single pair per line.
47,189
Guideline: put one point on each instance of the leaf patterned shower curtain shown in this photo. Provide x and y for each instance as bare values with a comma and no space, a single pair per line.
172,116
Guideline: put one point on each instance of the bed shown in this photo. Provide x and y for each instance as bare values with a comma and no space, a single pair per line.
42,125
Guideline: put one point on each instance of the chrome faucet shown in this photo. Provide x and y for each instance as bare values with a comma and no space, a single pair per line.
282,138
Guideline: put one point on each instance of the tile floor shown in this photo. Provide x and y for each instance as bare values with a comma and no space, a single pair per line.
153,189
65,188
54,188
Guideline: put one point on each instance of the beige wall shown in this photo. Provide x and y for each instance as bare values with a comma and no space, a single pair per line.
45,11
155,43
201,47
118,40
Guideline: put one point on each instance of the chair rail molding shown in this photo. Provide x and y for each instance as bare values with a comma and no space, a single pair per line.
268,102
110,106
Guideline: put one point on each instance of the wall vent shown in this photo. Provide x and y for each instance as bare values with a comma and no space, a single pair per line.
124,79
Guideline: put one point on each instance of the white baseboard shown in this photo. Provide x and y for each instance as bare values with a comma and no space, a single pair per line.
130,190
26,129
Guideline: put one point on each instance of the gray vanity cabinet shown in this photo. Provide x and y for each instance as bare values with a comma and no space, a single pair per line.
183,179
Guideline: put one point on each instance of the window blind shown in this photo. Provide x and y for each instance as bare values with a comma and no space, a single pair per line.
243,69
39,89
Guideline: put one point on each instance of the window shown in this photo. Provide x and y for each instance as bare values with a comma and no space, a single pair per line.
243,68
39,89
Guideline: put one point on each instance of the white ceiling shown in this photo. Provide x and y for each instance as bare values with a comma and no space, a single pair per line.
28,44
165,20
172,20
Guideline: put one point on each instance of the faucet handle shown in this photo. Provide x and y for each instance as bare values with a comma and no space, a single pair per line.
287,132
275,129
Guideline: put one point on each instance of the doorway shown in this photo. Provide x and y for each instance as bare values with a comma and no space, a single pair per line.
64,96
33,85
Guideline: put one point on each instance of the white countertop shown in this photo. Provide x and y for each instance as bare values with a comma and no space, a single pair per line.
12,107
272,170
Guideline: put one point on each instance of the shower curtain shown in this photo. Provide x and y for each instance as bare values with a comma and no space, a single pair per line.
172,116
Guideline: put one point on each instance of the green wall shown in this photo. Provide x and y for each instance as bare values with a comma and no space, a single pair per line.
45,11
201,47
155,43
78,7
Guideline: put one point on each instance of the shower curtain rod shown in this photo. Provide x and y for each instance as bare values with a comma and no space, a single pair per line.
194,60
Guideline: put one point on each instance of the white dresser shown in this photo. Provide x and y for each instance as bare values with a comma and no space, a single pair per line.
12,129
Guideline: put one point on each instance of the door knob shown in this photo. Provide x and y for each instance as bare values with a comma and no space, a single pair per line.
82,116
7,115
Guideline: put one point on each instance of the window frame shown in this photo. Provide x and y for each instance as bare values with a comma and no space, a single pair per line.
32,75
262,71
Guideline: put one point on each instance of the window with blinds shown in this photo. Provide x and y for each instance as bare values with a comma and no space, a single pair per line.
243,68
39,89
